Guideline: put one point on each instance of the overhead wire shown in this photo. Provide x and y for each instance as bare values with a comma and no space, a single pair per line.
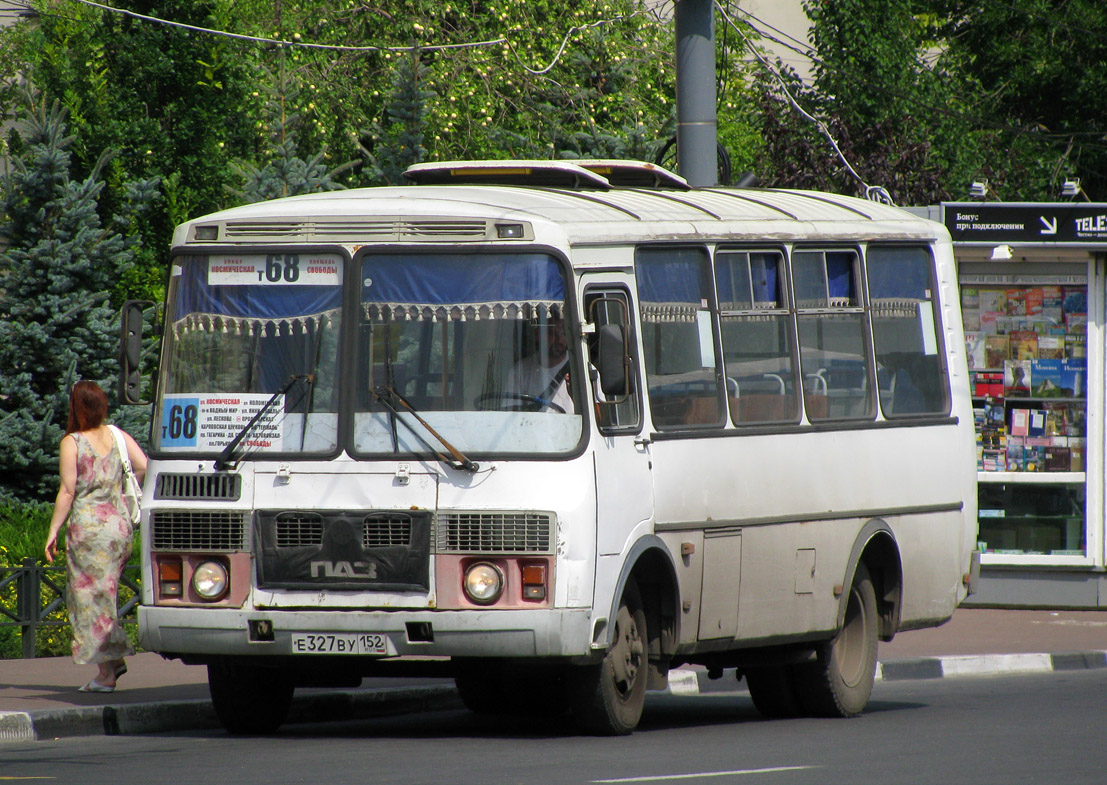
501,40
876,193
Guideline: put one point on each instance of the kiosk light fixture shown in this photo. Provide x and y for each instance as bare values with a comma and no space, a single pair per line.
1071,189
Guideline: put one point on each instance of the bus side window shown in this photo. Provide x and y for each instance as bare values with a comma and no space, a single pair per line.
905,336
682,377
757,337
615,411
834,355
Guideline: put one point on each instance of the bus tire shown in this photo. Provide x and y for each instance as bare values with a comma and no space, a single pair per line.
249,699
773,691
607,699
840,681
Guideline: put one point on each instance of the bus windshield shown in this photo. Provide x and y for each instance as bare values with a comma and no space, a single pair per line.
241,329
475,344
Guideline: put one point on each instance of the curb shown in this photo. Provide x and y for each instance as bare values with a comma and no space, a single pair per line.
989,665
168,716
697,682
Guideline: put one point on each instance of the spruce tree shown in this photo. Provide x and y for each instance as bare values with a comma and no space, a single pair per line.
285,173
398,143
56,275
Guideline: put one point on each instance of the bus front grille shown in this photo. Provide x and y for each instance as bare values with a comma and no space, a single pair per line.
297,529
343,550
495,532
383,529
197,530
198,487
378,530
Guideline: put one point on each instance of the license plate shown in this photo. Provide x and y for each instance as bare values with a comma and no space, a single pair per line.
339,643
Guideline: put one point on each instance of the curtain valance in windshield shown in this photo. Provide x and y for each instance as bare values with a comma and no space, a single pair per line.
286,293
470,287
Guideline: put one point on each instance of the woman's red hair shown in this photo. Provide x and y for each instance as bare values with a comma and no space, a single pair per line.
88,406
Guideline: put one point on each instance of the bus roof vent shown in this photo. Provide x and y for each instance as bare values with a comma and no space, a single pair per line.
552,174
383,228
635,174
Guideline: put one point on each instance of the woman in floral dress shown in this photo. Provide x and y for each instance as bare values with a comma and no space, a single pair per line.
99,534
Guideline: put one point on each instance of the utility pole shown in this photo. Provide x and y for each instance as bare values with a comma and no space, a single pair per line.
697,140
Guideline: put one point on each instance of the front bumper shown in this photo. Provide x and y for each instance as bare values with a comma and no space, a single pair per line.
469,633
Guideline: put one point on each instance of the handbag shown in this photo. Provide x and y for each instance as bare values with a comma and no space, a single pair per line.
132,491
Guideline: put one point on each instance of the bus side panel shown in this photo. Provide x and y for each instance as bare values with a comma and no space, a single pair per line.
800,501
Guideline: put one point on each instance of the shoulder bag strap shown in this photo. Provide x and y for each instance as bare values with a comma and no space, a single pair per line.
121,446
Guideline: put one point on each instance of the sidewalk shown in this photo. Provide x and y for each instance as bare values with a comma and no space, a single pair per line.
39,698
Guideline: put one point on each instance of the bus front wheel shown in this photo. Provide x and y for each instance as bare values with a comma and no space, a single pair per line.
840,681
249,699
608,698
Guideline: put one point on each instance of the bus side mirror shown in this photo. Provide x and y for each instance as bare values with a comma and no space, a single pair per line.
614,360
130,351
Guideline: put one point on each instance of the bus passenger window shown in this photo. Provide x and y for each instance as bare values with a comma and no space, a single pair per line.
756,330
833,351
682,378
910,370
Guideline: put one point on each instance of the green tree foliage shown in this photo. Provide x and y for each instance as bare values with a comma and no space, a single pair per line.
285,173
899,122
560,79
169,102
925,96
1042,70
398,142
57,272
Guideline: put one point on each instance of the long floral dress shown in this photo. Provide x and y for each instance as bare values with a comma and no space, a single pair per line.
98,543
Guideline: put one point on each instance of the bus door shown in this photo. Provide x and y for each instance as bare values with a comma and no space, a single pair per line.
624,489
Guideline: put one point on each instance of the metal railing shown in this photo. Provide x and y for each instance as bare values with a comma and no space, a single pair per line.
40,592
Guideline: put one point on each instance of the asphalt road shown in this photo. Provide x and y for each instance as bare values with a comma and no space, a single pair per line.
1004,730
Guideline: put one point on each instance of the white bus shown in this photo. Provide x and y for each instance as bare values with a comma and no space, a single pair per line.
555,429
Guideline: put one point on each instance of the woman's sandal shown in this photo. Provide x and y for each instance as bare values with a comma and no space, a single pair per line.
120,670
95,686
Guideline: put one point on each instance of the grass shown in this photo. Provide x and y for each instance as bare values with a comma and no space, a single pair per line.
23,530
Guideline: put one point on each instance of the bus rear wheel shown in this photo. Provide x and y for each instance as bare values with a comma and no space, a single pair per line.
249,699
840,681
608,698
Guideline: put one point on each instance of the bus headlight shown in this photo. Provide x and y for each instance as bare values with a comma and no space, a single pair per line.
484,583
210,580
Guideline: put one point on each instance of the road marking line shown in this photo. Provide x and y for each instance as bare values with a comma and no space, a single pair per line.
735,773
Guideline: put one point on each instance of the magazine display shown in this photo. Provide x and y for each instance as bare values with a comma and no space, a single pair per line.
1027,353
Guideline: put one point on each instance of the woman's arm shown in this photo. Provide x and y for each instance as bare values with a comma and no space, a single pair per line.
67,469
137,456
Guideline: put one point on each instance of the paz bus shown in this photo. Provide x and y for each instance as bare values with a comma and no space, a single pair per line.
554,429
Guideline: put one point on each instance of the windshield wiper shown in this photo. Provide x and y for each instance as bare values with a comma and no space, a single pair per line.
394,402
224,462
